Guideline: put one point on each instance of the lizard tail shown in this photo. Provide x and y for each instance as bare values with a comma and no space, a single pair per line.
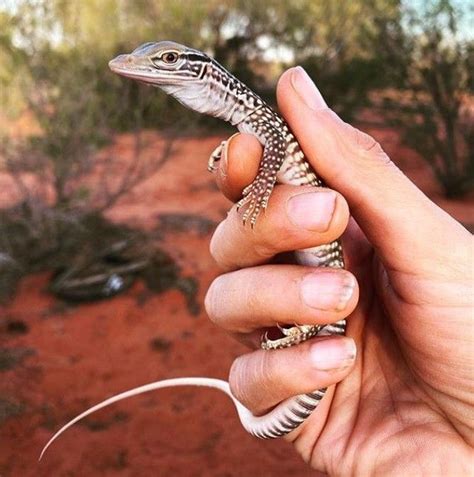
285,417
166,383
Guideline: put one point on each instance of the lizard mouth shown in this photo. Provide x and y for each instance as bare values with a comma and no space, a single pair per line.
142,69
124,66
146,74
133,74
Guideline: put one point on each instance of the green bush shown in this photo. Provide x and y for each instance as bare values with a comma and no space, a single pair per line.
432,61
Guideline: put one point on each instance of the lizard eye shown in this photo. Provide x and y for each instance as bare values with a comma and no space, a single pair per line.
169,57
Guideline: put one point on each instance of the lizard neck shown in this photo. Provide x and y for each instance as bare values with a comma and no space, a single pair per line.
217,93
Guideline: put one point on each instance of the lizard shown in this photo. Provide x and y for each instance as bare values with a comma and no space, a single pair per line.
200,83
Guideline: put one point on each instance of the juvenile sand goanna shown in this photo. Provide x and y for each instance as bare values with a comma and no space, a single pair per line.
200,83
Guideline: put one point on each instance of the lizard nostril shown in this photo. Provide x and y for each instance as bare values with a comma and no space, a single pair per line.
120,60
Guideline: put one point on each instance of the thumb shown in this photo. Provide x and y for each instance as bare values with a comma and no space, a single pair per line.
398,219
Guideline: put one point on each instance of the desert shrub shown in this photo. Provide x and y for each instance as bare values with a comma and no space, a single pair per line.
346,86
86,254
431,59
254,40
61,180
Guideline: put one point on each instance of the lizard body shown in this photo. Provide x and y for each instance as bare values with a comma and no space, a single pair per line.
203,85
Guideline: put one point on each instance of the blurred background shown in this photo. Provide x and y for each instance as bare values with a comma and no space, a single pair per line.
106,208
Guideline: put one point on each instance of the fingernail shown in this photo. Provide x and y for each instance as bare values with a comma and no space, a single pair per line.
312,210
306,89
329,354
327,290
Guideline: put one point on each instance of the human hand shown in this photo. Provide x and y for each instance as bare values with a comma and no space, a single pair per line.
405,404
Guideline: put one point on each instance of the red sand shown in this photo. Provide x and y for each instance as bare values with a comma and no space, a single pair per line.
71,357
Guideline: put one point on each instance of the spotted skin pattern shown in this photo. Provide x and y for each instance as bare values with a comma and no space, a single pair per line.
203,85
222,95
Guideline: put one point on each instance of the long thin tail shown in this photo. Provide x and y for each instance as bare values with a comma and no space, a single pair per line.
282,419
167,383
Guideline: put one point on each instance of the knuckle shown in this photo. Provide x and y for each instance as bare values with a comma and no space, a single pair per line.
376,155
252,377
215,240
250,300
267,370
211,301
275,235
368,149
238,380
217,248
266,247
364,146
227,296
365,141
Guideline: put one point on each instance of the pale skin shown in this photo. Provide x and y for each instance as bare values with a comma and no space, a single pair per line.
404,405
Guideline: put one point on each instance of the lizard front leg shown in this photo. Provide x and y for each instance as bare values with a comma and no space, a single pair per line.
256,195
215,156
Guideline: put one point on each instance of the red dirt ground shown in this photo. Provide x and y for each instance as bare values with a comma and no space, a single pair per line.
67,358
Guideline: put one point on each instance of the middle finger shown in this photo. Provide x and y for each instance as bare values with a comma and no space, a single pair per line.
296,218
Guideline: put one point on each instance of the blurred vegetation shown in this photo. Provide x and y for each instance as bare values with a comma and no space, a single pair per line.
255,40
90,257
435,70
53,65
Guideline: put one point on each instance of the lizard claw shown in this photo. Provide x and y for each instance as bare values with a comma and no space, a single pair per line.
255,197
291,336
283,331
215,157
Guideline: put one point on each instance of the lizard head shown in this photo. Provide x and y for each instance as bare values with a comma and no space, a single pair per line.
161,64
192,77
